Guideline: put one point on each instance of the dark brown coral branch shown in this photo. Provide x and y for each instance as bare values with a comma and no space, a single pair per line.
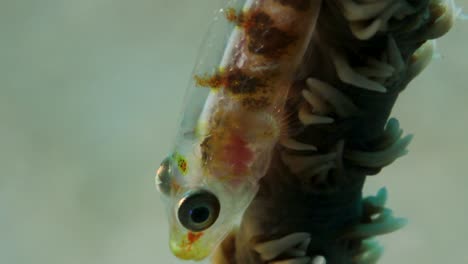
310,205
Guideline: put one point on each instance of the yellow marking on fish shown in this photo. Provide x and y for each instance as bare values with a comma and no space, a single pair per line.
181,163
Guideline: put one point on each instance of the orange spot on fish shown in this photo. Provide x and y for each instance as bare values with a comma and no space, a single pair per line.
231,15
214,81
186,249
183,166
233,79
193,237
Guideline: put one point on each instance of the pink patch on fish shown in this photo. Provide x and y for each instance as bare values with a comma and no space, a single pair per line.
238,154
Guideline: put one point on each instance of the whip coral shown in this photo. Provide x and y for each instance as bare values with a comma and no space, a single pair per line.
291,122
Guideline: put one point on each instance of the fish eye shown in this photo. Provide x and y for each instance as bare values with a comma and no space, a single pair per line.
163,176
198,210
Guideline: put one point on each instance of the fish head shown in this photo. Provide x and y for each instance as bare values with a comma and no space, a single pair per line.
201,209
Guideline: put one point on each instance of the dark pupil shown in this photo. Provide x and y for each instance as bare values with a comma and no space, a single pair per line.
198,210
199,214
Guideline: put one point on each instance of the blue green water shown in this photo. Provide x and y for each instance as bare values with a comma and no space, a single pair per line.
90,92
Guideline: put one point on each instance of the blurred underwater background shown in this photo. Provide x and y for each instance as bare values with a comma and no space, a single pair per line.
90,94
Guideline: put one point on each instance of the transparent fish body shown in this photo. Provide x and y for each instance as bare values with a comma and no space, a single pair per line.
232,119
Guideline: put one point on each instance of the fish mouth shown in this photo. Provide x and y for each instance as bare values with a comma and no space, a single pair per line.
189,251
188,245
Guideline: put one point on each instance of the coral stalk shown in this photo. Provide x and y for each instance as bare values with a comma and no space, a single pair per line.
310,207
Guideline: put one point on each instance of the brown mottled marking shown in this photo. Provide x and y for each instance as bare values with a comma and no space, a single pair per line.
233,80
232,15
205,148
239,82
252,103
264,38
213,81
299,5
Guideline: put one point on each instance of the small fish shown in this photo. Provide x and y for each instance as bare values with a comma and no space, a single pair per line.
232,122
